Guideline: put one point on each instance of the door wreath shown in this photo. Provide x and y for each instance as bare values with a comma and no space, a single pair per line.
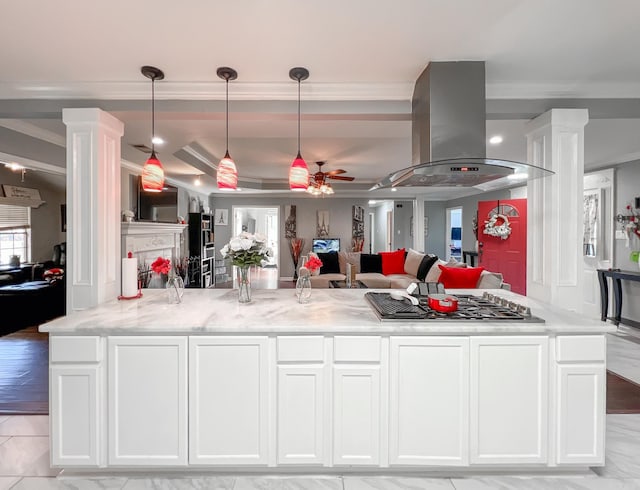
498,226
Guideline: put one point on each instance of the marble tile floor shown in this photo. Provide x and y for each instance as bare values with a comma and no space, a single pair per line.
623,353
24,465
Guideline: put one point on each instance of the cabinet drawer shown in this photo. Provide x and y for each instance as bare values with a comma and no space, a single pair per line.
357,349
579,348
75,349
301,348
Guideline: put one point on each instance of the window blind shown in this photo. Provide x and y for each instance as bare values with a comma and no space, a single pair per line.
14,216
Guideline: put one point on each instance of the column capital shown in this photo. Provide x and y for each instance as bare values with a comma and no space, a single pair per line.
568,118
94,116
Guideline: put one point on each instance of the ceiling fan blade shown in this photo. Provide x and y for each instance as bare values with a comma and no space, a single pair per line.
340,177
336,172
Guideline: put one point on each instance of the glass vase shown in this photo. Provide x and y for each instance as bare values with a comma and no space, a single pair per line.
303,288
175,289
244,284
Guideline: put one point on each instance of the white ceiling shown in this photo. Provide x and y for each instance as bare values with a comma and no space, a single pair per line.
363,56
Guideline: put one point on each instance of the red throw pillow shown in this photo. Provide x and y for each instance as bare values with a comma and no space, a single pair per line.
459,277
393,262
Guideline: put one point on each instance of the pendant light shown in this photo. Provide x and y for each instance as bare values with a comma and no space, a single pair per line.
152,171
299,171
227,174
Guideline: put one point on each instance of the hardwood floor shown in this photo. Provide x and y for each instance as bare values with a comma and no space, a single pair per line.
623,396
24,380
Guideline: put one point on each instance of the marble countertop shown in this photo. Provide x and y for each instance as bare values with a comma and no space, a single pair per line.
330,311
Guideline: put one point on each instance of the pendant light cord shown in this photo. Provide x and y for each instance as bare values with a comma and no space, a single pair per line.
298,117
153,115
227,98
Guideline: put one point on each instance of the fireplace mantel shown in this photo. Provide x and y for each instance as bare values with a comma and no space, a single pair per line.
150,228
148,240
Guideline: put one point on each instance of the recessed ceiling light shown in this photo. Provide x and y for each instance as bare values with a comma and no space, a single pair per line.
394,189
14,166
372,202
197,182
157,140
495,140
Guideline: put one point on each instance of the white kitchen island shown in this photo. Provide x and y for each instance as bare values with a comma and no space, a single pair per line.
276,386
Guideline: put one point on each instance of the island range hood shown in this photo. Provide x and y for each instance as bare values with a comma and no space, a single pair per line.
449,134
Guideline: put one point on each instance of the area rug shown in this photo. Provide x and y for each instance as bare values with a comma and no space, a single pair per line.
623,395
24,378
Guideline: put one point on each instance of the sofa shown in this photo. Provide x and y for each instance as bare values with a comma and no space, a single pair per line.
397,270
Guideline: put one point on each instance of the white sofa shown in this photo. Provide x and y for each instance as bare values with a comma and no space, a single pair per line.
377,280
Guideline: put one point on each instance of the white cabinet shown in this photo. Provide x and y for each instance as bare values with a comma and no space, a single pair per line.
228,400
509,399
581,409
581,399
429,397
75,381
301,414
356,415
147,393
74,415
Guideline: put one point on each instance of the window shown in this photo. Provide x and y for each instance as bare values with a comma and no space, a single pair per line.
15,233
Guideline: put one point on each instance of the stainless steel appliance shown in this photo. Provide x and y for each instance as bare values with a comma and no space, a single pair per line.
485,308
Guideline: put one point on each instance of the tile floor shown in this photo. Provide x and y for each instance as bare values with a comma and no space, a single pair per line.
24,459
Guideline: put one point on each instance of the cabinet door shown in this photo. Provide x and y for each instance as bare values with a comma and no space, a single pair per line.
356,415
581,412
509,392
300,414
228,400
147,401
74,415
429,398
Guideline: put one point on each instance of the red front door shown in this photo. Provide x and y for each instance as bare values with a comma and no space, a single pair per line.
502,240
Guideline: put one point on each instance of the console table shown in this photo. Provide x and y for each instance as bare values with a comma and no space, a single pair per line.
473,256
617,276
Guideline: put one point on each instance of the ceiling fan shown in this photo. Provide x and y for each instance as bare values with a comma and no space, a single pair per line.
318,182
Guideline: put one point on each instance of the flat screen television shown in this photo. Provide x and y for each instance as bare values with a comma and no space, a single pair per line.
323,245
158,206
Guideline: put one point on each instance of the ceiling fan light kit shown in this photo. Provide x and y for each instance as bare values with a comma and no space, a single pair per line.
152,171
227,173
299,171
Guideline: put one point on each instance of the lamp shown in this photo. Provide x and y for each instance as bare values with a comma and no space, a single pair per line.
227,174
299,171
152,171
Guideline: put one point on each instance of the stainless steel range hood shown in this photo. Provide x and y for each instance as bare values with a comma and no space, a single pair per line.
449,133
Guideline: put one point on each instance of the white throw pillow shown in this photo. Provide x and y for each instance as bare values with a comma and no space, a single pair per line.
412,262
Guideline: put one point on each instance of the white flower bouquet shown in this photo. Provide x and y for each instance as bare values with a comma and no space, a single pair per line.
247,249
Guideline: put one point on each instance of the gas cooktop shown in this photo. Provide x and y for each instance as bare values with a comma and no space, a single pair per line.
487,307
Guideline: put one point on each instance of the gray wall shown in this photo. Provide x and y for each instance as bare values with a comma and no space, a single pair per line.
402,213
45,220
340,216
435,242
627,181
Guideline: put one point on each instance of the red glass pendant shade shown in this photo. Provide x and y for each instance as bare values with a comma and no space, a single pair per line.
299,175
227,174
152,175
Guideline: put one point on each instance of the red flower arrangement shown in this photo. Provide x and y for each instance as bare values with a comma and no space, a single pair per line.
313,263
161,266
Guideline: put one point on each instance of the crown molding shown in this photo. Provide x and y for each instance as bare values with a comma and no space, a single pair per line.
29,129
562,90
206,90
33,164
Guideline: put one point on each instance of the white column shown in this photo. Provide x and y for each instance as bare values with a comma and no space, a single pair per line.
555,141
93,207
